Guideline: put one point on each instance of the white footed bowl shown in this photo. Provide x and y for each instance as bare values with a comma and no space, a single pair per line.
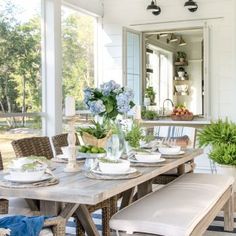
169,150
119,167
27,175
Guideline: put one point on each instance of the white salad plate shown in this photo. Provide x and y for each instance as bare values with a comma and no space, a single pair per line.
130,171
156,161
43,178
174,154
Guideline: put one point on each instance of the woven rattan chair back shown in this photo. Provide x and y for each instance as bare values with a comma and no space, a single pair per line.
61,141
37,146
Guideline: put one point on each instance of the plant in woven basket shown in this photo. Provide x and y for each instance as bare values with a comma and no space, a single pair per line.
221,136
97,134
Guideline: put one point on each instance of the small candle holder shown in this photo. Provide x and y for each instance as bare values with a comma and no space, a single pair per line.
72,165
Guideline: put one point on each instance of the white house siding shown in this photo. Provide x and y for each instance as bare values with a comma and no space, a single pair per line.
119,13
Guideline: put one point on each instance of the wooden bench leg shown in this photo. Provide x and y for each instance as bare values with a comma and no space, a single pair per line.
229,214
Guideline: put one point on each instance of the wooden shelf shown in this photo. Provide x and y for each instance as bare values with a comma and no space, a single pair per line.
181,93
178,63
177,78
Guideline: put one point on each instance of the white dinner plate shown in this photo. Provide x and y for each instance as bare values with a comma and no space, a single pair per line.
130,171
61,156
174,154
156,161
43,178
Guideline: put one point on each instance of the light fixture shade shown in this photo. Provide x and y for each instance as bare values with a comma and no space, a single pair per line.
191,5
182,42
173,38
162,35
157,11
152,7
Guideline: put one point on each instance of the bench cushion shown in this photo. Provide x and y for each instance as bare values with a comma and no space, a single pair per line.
174,210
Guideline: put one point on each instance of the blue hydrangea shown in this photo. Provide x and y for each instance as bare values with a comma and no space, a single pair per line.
96,107
88,94
123,100
109,86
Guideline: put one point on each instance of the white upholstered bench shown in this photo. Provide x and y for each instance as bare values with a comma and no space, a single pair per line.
187,206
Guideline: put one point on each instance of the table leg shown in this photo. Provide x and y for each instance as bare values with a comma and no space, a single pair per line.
144,189
32,204
87,221
50,208
127,198
181,169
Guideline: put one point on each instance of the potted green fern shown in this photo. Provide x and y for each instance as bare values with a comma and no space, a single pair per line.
221,137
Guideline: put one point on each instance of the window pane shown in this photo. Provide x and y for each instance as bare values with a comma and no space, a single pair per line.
20,56
133,64
78,40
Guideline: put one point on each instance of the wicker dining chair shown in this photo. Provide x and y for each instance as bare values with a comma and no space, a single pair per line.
37,146
60,141
57,224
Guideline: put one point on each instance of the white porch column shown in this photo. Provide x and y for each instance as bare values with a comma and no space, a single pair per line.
51,67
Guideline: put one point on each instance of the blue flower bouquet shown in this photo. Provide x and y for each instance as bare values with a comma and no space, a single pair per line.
109,100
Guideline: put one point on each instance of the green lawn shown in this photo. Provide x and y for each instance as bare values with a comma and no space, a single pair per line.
6,137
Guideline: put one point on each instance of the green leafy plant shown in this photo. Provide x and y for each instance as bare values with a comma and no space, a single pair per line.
134,136
181,54
149,115
149,92
98,130
221,136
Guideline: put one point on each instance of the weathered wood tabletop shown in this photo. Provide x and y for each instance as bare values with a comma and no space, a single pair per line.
76,188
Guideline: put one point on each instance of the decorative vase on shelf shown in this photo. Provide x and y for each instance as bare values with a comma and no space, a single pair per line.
147,101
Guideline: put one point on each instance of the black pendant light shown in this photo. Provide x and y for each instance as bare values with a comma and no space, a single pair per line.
156,10
191,5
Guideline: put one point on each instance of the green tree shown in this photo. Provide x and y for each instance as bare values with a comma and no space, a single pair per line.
78,54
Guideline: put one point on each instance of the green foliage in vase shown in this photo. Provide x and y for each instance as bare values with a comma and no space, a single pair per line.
97,130
134,136
221,136
150,93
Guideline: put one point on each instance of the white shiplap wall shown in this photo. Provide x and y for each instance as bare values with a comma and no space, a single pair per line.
119,13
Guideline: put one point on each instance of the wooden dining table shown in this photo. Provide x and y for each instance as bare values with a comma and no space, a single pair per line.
77,190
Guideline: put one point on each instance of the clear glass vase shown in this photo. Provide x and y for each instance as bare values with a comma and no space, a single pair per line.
115,144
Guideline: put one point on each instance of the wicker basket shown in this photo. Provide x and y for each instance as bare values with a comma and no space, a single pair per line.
182,118
91,140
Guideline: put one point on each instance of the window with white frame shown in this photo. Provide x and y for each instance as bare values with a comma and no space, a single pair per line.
78,53
161,79
20,71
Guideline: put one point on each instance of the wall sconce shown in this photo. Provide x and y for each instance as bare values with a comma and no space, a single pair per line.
191,5
156,10
182,42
